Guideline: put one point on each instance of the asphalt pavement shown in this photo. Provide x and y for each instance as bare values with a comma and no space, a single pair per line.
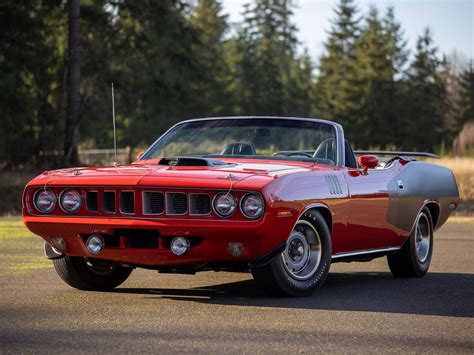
360,309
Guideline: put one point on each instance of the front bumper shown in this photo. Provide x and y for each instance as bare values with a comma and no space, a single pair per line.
259,238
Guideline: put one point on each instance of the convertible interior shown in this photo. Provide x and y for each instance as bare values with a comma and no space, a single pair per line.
325,153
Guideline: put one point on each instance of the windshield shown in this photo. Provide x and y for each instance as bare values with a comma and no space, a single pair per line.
287,139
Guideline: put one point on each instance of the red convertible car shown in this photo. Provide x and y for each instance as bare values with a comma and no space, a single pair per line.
280,197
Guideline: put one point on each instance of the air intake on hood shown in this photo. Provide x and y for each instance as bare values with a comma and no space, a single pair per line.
190,161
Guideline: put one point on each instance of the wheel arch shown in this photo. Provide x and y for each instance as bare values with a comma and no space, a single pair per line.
324,211
434,209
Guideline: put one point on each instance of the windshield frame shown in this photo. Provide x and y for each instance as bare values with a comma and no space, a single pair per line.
337,127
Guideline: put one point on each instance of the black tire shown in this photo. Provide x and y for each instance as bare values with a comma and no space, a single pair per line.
90,274
411,261
276,277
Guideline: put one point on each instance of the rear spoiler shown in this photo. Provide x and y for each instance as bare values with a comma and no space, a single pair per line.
397,153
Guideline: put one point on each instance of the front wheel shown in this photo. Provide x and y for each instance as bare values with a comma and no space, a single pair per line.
90,274
305,262
414,258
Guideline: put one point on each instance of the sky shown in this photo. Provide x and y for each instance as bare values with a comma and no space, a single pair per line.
450,21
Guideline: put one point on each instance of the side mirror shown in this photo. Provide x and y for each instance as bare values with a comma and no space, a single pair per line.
139,155
368,162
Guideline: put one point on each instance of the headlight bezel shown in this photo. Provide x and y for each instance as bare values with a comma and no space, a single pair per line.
53,204
245,197
61,201
224,194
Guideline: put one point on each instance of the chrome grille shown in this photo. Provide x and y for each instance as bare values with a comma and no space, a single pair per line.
176,203
108,201
127,202
153,202
200,204
92,201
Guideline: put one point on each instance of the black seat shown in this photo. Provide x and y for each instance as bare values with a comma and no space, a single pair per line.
351,161
239,149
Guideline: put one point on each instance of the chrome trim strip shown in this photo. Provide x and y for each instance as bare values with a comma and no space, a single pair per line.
362,252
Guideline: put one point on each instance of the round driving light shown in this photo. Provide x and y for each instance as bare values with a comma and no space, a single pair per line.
224,204
95,244
44,200
179,245
70,200
252,205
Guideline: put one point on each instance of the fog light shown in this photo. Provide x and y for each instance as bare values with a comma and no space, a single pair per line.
59,243
95,244
179,245
236,249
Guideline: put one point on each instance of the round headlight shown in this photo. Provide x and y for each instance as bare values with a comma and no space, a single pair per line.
224,204
44,200
252,205
70,200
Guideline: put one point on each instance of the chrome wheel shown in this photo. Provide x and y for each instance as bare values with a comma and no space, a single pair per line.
302,255
422,237
100,267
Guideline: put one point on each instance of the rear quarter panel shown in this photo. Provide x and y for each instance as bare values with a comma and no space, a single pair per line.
422,183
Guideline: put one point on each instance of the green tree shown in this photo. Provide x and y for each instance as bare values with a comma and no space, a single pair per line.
265,49
427,93
212,77
380,57
153,67
465,105
335,89
31,62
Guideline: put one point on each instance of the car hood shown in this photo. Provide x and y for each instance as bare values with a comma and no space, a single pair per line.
242,174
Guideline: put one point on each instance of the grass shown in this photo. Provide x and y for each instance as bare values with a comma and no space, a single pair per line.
20,250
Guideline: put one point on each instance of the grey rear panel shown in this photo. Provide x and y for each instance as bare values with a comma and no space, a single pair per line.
417,183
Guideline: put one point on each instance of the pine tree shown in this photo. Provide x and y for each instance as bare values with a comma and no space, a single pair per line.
267,43
427,93
465,105
211,83
335,91
380,57
153,68
298,87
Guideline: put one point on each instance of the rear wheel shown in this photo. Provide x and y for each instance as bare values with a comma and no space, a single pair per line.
414,258
305,262
89,273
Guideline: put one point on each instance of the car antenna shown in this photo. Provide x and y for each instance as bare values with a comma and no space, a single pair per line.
113,122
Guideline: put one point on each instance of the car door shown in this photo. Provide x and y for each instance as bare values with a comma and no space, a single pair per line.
367,209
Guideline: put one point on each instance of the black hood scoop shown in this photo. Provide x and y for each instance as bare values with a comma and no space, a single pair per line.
190,161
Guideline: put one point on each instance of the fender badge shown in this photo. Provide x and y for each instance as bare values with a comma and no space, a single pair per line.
400,184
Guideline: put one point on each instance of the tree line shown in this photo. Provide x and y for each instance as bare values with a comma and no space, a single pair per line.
175,59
